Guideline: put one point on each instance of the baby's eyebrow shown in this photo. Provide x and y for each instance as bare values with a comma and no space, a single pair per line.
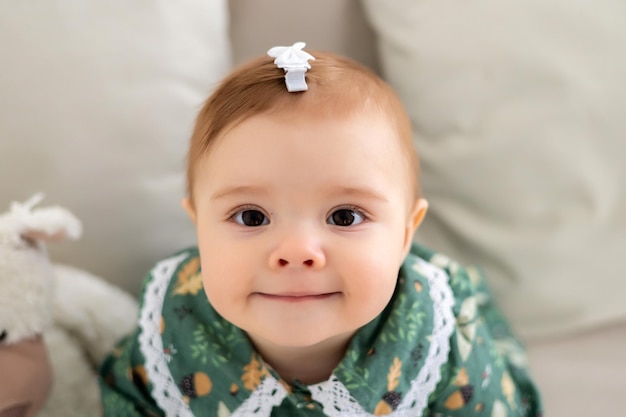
336,191
362,192
236,190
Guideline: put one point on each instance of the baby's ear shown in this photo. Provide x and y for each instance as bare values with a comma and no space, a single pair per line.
414,220
418,213
189,208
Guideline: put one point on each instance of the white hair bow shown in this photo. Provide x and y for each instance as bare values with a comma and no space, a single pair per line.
295,63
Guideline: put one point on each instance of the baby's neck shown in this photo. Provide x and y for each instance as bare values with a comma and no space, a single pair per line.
309,364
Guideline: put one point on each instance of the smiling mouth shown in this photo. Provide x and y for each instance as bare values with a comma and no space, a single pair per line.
296,298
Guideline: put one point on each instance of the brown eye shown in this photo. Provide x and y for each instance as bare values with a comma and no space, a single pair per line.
3,335
251,218
345,217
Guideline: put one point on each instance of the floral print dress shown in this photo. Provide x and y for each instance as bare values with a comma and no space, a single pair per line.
441,348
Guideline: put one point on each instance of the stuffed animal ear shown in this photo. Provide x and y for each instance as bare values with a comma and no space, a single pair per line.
45,236
44,224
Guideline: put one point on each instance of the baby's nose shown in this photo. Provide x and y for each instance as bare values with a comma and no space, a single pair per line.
297,251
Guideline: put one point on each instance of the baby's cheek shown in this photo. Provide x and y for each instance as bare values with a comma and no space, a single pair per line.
376,283
222,301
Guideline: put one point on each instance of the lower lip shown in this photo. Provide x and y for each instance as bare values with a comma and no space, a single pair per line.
297,298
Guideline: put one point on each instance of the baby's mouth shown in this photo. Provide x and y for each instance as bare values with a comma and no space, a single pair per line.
297,297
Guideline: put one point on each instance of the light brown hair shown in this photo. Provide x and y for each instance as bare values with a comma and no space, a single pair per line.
337,87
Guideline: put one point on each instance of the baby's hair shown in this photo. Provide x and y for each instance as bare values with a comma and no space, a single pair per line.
337,88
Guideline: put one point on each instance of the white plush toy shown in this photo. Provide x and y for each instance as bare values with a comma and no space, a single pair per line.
56,322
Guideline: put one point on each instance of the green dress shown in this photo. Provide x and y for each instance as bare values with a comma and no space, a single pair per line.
439,349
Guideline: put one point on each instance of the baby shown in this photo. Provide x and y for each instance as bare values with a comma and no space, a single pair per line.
305,295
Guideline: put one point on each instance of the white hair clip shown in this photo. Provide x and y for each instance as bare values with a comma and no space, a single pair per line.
295,63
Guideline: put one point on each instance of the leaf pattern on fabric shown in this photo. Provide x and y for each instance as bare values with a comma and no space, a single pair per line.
393,377
216,339
222,410
508,389
356,376
464,345
391,399
200,345
402,326
254,371
474,275
189,278
499,409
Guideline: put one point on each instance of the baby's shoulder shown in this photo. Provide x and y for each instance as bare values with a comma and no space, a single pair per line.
486,366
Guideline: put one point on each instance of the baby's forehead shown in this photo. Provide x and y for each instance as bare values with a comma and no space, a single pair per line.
316,140
306,157
309,124
353,121
307,141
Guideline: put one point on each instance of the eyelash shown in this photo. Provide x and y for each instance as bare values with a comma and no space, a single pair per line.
233,213
356,209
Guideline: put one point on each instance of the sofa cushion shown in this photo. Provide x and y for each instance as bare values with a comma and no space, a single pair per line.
518,115
97,103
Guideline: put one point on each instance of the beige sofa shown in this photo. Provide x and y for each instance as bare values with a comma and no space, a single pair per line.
517,108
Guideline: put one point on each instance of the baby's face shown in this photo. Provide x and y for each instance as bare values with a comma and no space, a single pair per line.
302,225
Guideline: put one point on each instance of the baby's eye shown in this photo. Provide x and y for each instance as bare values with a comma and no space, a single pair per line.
345,217
251,218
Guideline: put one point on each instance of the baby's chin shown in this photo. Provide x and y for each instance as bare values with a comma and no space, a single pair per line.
303,340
